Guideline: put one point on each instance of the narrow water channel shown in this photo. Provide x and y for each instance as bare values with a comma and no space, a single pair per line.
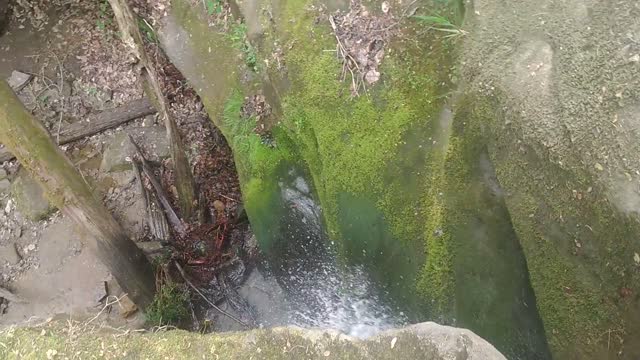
323,291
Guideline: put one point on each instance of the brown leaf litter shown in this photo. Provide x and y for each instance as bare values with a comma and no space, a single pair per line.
256,106
361,35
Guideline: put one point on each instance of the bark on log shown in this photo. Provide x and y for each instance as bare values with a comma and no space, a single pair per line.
156,219
35,149
131,36
105,120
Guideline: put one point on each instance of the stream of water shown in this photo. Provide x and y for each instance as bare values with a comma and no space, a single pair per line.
323,291
302,280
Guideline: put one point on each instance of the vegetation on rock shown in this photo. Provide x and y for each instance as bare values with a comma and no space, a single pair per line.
169,306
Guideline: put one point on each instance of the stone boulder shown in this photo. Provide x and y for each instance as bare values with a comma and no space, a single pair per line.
118,150
30,197
553,89
422,341
491,180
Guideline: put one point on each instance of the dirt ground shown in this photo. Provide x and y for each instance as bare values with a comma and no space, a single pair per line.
79,67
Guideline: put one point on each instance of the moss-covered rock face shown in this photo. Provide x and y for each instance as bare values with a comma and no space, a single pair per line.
421,341
397,195
555,86
513,213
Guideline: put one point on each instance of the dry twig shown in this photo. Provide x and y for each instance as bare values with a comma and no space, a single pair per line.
184,276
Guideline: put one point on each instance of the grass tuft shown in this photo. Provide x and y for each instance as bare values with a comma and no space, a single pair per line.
169,307
238,36
442,24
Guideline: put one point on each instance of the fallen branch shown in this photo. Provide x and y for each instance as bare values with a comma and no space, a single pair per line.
156,219
131,36
184,276
173,218
105,120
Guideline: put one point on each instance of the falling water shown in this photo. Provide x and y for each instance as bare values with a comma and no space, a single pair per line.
322,291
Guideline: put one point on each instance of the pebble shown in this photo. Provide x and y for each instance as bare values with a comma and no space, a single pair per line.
18,80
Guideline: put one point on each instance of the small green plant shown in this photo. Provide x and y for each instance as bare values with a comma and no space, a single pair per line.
238,36
104,15
147,30
160,259
213,6
92,91
169,307
442,24
44,99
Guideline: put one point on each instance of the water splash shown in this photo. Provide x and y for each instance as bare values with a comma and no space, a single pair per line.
323,292
342,298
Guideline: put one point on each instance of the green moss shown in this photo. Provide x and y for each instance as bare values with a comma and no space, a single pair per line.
169,306
255,158
577,247
436,281
349,143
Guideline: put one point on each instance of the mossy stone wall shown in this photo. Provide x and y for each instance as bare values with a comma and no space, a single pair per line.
458,217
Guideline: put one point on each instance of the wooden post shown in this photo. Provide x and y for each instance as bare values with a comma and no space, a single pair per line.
29,141
131,36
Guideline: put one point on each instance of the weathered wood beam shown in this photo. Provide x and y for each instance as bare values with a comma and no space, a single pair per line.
27,138
95,124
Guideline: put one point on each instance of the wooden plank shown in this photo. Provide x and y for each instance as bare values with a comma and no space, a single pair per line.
95,124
